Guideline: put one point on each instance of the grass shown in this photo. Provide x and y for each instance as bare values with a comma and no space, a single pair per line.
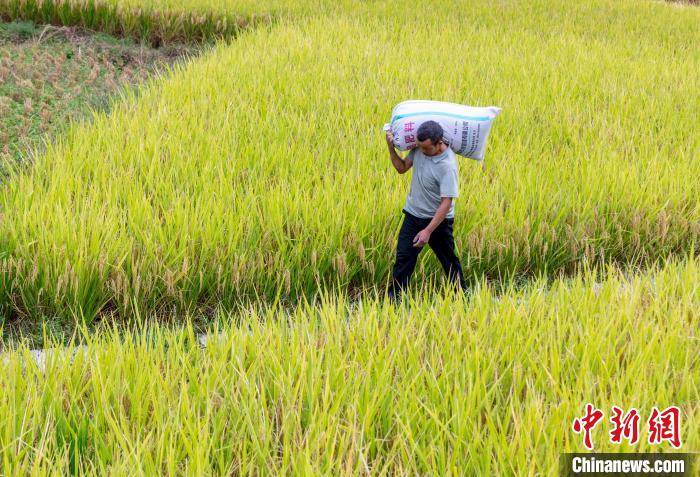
438,386
50,76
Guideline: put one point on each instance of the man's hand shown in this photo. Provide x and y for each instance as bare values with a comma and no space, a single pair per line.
421,238
390,139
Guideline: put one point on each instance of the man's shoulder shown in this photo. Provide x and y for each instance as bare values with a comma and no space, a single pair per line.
447,162
450,155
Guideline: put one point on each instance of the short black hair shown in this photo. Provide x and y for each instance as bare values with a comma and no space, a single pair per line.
430,130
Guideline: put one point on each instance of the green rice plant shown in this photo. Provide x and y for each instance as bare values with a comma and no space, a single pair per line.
439,385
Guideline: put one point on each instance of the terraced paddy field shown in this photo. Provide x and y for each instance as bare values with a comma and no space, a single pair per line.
255,177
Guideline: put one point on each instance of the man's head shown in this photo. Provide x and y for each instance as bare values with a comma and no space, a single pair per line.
429,136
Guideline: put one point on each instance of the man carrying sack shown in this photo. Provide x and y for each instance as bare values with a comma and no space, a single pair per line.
429,208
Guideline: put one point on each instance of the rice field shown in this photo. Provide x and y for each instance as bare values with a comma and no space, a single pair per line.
440,386
155,23
237,176
50,75
251,185
164,21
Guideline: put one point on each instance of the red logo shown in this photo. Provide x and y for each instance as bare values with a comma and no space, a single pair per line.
587,423
665,426
627,426
662,425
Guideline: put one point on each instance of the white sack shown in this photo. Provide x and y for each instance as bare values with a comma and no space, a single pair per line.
466,128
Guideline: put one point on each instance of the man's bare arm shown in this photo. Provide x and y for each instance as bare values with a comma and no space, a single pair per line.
401,165
440,213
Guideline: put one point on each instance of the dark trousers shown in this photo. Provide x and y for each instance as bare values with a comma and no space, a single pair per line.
441,242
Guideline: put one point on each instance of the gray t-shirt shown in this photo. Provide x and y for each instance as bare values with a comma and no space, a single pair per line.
433,177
